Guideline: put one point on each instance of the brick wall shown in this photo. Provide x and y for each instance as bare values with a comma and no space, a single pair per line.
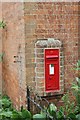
51,20
14,53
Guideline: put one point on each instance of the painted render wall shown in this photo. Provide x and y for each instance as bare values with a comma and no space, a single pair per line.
0,50
14,53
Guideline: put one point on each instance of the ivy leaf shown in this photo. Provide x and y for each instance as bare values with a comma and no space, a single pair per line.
2,24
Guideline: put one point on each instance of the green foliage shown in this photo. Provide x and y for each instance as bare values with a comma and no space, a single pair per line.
1,56
60,114
76,90
2,24
22,115
52,111
5,115
7,112
78,117
39,116
5,103
69,106
71,116
78,65
52,108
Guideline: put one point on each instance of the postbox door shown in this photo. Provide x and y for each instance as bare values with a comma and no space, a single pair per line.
52,74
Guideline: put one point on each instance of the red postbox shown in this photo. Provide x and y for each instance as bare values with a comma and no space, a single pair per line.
51,69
